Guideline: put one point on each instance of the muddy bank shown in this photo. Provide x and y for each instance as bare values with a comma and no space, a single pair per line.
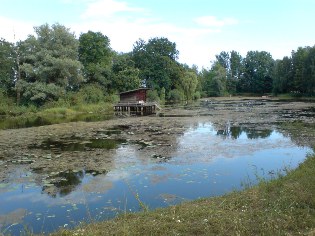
55,155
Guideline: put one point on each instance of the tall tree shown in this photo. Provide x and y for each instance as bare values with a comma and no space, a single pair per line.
124,74
236,64
310,72
258,72
298,69
232,63
49,63
188,84
303,70
7,66
156,60
224,59
214,80
96,56
283,81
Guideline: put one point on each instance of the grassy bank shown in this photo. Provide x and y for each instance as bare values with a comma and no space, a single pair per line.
56,115
288,96
283,206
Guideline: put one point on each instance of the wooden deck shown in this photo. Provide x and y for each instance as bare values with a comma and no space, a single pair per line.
133,108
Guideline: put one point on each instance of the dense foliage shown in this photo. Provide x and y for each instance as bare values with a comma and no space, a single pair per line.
53,65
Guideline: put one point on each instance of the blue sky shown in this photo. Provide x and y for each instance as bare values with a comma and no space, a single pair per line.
200,28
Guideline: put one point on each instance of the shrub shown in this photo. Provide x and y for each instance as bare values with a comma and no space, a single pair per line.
176,95
153,96
114,98
91,94
196,95
162,95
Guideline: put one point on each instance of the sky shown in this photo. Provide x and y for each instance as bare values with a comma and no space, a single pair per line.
201,29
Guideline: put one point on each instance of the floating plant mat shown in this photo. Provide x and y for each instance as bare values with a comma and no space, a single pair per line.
71,144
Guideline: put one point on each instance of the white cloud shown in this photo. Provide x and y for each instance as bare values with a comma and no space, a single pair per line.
195,44
212,21
107,8
14,30
123,33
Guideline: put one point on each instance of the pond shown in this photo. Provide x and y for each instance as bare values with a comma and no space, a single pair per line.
208,161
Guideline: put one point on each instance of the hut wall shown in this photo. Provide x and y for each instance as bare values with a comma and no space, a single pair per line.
133,96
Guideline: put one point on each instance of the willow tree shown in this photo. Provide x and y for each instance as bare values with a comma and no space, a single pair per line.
49,64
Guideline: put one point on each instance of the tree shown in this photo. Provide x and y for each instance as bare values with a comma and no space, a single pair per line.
188,84
283,82
258,72
232,63
7,66
310,72
96,55
49,63
303,70
236,64
298,67
156,60
224,60
214,80
125,75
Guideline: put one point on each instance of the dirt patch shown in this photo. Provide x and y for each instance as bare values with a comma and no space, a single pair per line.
92,147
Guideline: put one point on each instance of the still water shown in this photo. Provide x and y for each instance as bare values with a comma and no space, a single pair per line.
208,162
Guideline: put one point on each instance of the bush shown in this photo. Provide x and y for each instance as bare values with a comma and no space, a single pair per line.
90,94
203,94
176,95
162,95
153,96
57,111
114,98
100,108
61,102
196,95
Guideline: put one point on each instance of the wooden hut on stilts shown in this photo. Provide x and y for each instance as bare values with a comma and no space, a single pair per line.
134,102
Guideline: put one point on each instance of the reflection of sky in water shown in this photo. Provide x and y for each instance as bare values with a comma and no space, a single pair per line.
207,163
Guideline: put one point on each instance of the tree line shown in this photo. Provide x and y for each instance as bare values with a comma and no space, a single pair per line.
53,66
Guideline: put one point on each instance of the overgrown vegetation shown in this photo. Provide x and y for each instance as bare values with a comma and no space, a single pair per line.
282,206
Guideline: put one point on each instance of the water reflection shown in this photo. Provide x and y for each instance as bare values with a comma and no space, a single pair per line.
75,144
208,161
236,132
62,183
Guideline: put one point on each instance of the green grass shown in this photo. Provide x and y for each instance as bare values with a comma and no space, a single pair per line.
283,206
64,111
19,117
288,96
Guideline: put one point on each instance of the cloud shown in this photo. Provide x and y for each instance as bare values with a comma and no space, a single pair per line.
107,8
15,30
124,24
212,21
124,32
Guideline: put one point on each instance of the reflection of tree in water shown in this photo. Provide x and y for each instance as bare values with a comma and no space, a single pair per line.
71,180
63,183
236,131
233,132
254,134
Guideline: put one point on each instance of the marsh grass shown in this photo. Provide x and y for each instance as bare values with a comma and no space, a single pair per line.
281,206
56,115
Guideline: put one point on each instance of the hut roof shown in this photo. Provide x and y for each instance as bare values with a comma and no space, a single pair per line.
134,90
